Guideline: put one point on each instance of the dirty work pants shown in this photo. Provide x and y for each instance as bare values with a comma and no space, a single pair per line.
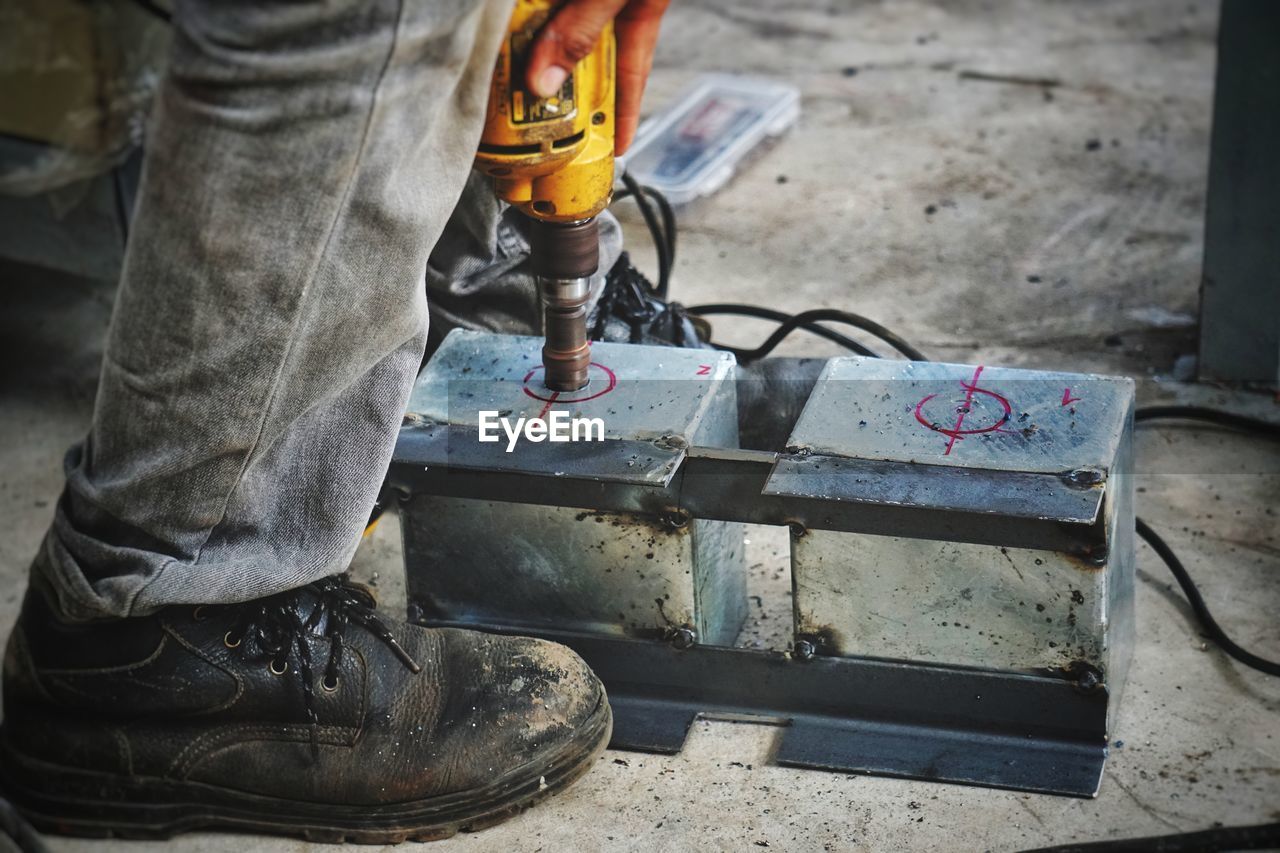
302,180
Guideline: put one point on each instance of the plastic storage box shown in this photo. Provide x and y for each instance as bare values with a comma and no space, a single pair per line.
694,146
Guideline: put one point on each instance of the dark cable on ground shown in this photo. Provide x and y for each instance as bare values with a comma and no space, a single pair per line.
780,317
808,317
1211,627
1212,416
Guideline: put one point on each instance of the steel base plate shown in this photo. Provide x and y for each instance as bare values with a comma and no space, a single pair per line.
884,718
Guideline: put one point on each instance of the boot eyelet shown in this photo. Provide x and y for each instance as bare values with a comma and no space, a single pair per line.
284,667
199,614
329,686
226,641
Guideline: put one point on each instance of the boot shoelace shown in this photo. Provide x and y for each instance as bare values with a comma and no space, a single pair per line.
273,629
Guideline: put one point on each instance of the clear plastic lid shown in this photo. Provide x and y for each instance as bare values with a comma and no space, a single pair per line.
693,147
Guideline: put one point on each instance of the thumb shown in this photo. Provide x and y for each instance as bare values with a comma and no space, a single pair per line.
566,40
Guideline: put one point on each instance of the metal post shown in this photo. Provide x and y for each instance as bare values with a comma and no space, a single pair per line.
1240,289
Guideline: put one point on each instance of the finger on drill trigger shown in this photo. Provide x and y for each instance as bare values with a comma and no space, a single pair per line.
636,29
566,40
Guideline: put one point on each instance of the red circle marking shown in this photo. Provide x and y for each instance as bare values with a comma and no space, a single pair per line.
957,431
557,397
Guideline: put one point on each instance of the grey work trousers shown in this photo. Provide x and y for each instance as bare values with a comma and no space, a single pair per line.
300,199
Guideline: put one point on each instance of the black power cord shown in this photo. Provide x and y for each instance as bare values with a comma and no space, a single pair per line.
1266,429
778,317
664,234
806,320
1210,625
667,236
1180,573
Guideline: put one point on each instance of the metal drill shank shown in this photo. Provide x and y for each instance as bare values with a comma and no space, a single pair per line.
565,256
565,355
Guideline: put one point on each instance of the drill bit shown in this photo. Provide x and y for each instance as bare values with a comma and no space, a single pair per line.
565,256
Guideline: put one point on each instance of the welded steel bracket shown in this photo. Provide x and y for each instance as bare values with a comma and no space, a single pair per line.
961,552
1026,732
942,502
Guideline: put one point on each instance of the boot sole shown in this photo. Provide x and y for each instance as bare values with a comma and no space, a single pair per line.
67,801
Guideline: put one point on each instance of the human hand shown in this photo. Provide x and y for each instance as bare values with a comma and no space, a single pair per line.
572,33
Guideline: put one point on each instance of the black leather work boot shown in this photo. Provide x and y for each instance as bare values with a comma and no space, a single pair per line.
300,714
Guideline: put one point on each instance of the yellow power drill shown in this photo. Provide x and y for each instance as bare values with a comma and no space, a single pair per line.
553,159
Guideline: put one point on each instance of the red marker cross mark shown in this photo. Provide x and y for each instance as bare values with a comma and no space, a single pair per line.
958,431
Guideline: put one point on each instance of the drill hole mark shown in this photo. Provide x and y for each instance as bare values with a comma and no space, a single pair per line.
562,397
958,432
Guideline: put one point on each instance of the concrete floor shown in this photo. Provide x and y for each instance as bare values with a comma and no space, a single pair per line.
1028,224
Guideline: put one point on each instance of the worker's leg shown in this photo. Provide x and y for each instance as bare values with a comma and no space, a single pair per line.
271,319
302,161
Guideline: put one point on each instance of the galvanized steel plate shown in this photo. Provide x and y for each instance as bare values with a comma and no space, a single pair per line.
968,416
639,393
